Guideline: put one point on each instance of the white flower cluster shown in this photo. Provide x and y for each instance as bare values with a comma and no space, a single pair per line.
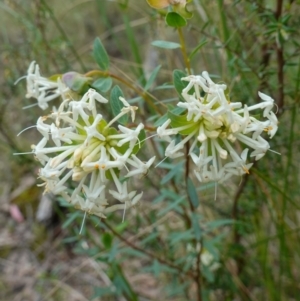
91,153
211,124
41,88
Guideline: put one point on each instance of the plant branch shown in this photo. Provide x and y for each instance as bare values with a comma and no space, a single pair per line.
183,50
198,277
143,94
235,216
280,65
149,254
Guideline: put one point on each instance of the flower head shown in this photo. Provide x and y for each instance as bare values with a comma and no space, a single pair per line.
212,124
84,149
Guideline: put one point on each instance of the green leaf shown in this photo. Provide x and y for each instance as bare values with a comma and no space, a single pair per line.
178,83
151,237
172,206
197,48
102,85
156,268
165,44
164,118
71,218
152,77
176,237
179,121
175,20
161,120
107,239
196,227
172,173
120,228
192,192
219,223
116,104
133,252
103,291
122,284
100,55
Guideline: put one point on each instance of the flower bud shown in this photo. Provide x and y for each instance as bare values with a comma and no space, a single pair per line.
76,82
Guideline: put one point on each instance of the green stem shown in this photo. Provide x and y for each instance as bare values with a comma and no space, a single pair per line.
183,50
198,276
143,94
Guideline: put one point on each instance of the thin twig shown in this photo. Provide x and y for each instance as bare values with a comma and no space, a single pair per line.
149,254
235,216
280,65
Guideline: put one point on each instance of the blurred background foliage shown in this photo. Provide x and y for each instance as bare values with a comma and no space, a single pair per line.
249,236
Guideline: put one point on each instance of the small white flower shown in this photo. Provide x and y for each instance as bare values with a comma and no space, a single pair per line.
42,127
60,134
128,108
41,88
79,109
92,130
164,133
141,167
90,98
128,135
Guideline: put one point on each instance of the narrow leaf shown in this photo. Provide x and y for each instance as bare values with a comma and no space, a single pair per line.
219,223
172,206
196,227
192,193
178,83
100,55
179,121
164,118
152,77
197,48
107,239
165,44
102,85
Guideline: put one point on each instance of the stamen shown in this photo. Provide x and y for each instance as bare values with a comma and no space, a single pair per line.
19,79
160,162
123,218
29,106
82,224
30,127
274,152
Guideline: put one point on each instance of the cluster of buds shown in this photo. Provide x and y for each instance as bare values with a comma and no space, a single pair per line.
79,146
212,124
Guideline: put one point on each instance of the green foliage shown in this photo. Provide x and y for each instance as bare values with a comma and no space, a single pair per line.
179,84
192,192
100,55
152,78
102,85
165,44
181,120
175,20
